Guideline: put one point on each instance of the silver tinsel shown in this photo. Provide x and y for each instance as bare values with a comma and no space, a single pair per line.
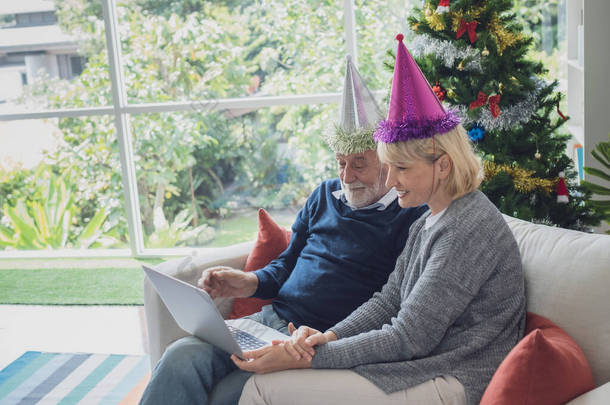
451,55
423,45
509,117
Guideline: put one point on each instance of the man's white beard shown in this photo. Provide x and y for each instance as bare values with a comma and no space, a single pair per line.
359,195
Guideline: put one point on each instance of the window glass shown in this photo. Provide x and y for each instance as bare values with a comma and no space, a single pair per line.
60,185
202,175
545,22
41,44
7,20
181,50
377,23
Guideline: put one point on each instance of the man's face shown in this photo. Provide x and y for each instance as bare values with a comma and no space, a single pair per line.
362,178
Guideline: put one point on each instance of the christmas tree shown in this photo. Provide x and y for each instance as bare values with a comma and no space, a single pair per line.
475,56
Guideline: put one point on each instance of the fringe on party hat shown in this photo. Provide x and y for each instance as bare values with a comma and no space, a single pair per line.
359,115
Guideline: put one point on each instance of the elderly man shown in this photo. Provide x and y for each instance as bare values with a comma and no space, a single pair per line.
344,244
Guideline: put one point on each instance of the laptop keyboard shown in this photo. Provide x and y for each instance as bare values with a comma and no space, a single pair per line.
245,340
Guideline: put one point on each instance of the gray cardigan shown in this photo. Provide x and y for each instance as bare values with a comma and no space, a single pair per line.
454,305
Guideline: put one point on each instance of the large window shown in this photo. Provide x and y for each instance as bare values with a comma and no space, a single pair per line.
59,188
143,126
227,49
198,171
181,119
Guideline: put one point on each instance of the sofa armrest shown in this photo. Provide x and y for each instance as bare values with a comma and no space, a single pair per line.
160,324
597,396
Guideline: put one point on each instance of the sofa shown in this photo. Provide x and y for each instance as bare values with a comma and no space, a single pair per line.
567,281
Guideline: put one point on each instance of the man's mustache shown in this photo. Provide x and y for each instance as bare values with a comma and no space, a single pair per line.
354,186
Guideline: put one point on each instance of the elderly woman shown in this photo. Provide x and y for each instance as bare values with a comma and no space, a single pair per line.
453,307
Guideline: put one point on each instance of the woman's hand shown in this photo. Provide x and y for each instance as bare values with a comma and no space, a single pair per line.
268,359
302,341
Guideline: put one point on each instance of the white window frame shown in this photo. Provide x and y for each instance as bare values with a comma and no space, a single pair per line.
122,109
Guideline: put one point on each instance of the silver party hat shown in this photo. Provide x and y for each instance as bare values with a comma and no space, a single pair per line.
359,116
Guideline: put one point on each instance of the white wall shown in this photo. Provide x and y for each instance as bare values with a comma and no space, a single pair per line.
33,64
23,142
10,82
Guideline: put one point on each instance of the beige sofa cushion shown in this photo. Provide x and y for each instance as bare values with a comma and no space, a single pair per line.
568,281
598,396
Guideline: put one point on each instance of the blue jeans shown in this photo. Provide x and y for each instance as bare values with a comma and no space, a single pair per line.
195,372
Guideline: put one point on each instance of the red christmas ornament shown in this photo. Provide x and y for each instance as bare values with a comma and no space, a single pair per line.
563,196
467,26
560,114
493,105
443,7
482,99
440,92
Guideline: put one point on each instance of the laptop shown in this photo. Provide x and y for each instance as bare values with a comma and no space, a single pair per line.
195,312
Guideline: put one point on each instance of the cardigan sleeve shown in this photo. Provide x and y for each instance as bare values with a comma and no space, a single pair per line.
454,269
378,310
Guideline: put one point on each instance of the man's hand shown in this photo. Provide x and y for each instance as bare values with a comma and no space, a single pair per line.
268,359
224,281
298,346
302,341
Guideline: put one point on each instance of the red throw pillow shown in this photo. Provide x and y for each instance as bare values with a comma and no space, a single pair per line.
545,368
272,240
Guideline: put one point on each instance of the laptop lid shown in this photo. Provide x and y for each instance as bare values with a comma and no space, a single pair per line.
194,310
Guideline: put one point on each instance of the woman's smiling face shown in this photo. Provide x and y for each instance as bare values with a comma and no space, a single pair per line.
412,181
420,182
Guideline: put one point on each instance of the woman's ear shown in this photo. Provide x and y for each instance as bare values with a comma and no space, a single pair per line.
445,165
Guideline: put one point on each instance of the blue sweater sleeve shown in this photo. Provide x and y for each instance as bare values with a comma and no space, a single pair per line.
272,277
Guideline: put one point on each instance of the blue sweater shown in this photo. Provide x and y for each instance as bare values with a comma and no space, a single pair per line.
337,258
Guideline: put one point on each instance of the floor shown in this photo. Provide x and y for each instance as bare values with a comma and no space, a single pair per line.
87,329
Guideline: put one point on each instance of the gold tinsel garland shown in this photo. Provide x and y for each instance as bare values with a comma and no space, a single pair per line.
504,38
434,20
522,179
470,15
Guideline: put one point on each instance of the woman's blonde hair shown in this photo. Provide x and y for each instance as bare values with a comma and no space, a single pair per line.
466,174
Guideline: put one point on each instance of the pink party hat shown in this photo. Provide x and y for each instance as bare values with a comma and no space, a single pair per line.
415,112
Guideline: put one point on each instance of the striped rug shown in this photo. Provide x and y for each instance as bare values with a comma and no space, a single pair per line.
74,378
